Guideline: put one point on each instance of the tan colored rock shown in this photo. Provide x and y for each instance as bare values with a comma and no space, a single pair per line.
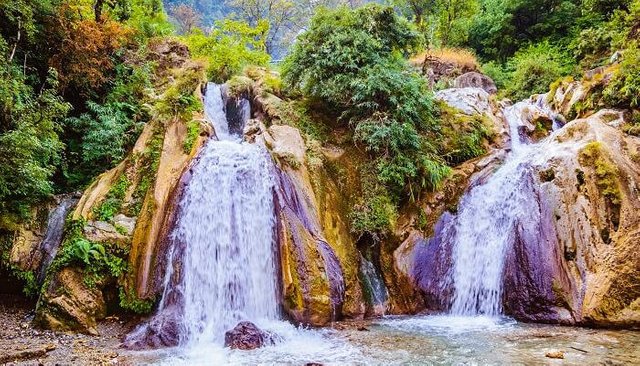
286,142
555,354
69,304
100,231
173,162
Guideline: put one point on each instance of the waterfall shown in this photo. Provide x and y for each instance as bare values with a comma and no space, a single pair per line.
487,221
221,264
53,236
375,290
227,222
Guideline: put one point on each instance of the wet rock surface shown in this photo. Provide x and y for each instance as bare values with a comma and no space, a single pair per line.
247,336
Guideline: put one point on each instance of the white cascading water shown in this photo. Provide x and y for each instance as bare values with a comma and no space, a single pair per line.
485,224
227,223
228,271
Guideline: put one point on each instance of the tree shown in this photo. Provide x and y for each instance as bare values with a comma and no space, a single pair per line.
230,47
501,27
187,18
453,20
351,61
286,18
418,10
121,9
85,57
29,144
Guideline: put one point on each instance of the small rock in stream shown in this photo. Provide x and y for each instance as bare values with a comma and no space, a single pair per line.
555,354
247,336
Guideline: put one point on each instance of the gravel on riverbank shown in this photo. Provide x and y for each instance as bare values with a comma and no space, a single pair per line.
23,344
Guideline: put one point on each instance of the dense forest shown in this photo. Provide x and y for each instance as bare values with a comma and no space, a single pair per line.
77,84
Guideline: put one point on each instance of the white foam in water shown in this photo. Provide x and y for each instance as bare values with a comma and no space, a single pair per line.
227,223
448,324
214,111
297,346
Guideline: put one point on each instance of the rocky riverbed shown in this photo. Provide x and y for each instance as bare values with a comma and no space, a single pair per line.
23,344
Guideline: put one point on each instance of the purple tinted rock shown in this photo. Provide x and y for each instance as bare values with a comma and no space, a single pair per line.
247,336
432,264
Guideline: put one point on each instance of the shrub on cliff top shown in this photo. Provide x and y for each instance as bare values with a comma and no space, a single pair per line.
352,62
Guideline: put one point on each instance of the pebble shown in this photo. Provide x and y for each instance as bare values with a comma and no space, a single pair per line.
555,354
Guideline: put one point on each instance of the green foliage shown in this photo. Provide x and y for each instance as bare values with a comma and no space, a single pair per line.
462,137
179,100
606,173
99,260
502,27
497,73
230,47
193,131
150,161
624,88
131,303
112,203
297,114
375,211
29,144
533,69
350,60
30,286
149,19
338,44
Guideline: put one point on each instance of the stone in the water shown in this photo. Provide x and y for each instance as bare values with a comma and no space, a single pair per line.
247,336
555,354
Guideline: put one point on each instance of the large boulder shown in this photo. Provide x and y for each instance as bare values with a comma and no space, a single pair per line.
140,190
247,336
468,100
475,80
68,302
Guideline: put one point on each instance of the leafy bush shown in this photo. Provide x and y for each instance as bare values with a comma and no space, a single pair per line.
112,203
99,260
231,46
109,131
534,69
624,88
350,60
193,130
179,100
497,73
502,27
29,143
374,211
462,137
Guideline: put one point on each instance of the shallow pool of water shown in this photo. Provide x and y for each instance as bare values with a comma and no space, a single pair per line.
426,340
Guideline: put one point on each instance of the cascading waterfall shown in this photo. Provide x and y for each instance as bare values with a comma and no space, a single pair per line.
376,291
486,224
222,261
227,222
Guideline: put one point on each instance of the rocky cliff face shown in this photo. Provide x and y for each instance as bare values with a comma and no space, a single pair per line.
125,209
573,259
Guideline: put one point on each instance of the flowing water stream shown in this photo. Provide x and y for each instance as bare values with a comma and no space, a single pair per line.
486,223
227,221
